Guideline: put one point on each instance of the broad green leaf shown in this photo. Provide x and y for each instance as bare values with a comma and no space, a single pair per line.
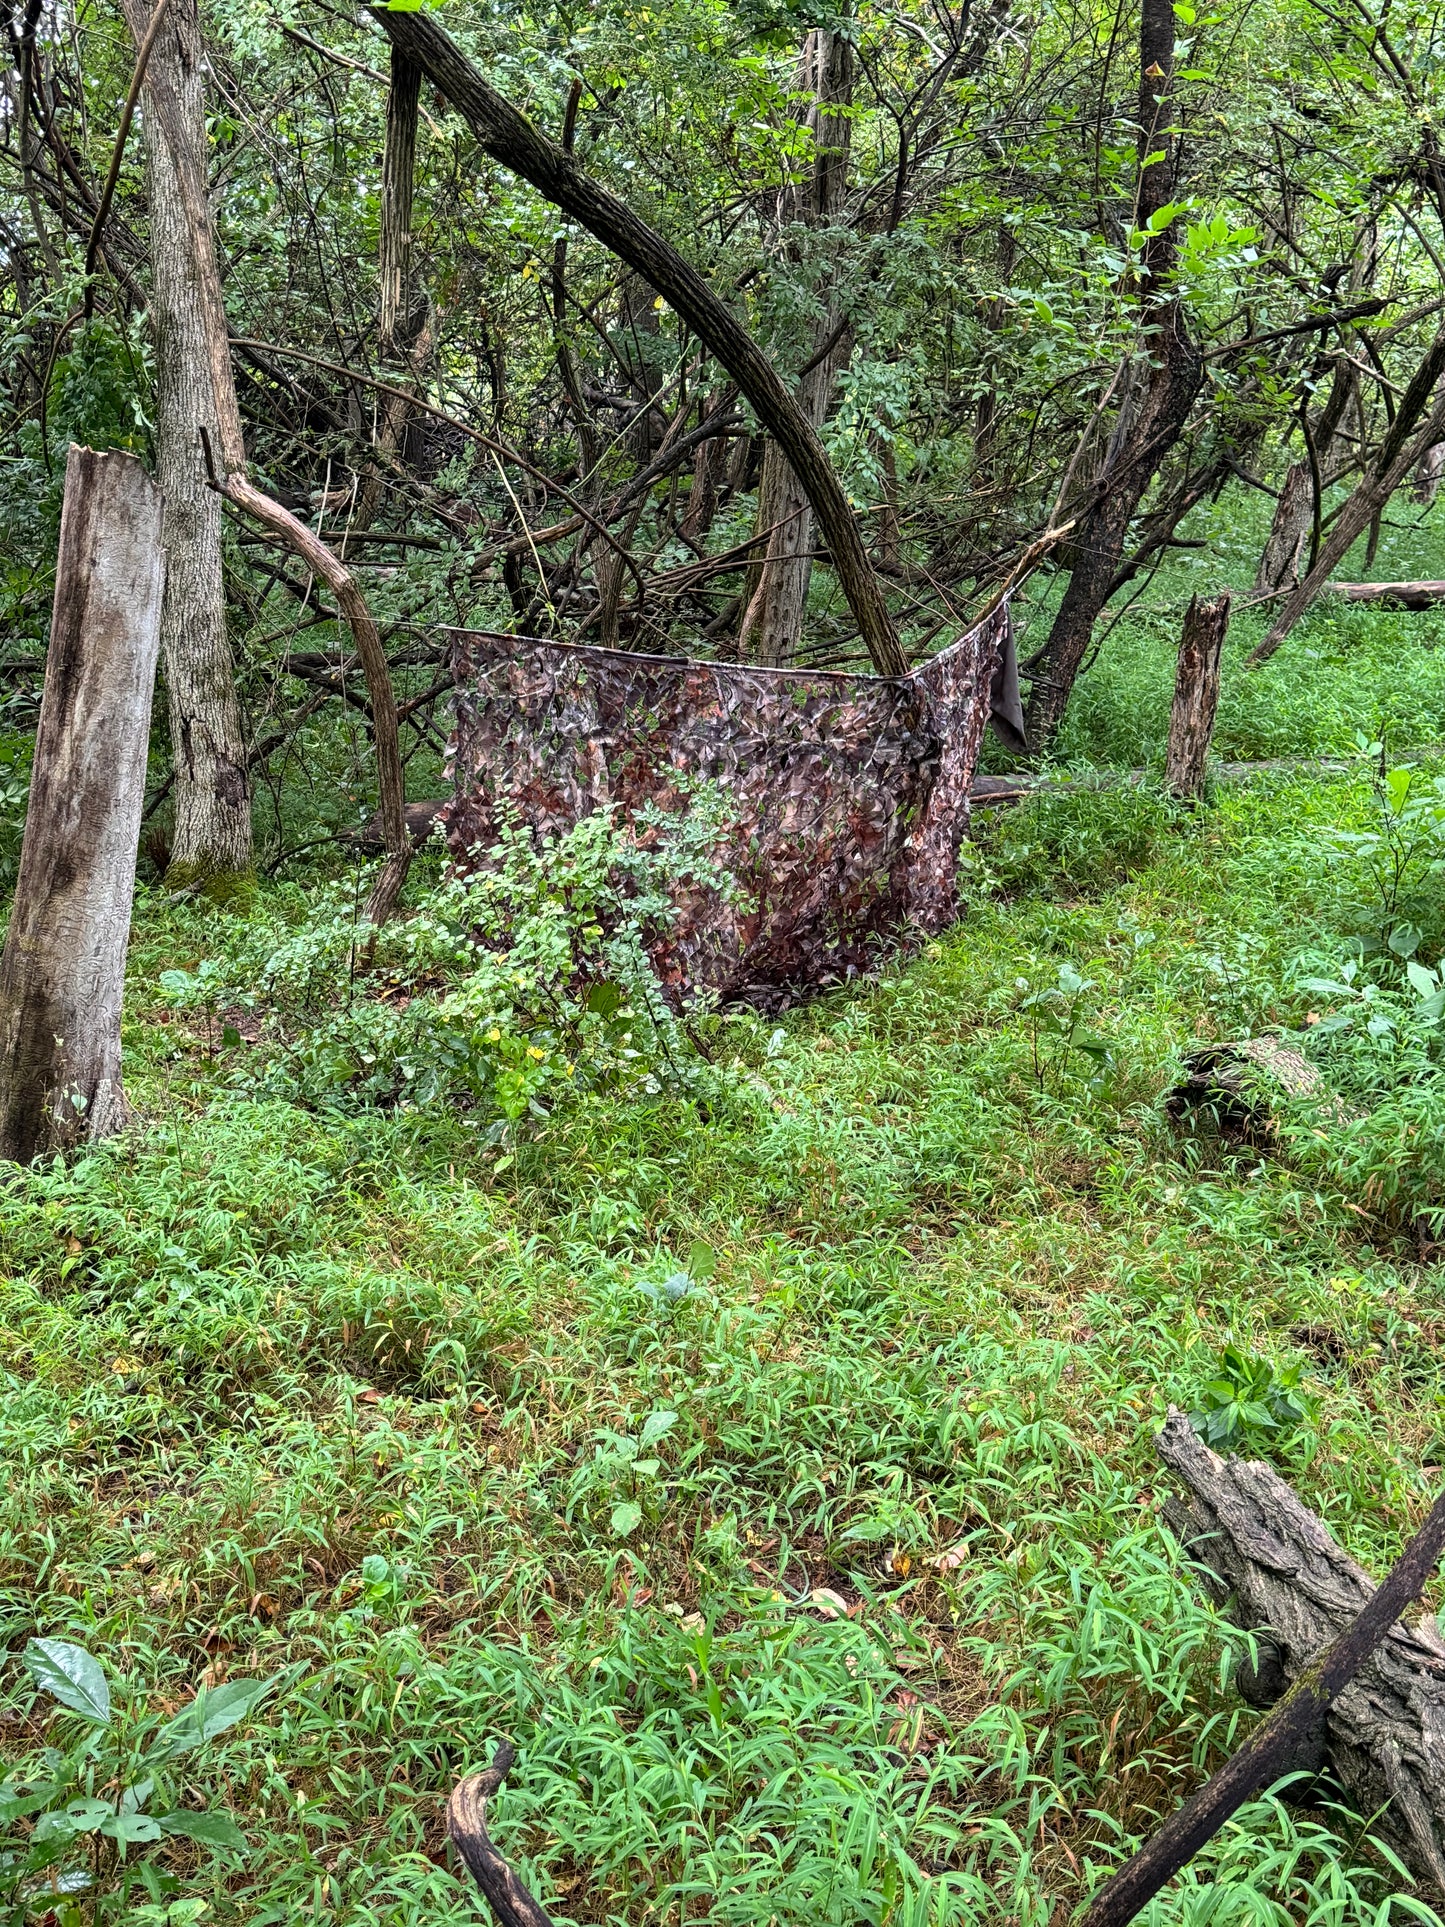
626,1518
211,1829
657,1426
80,1816
211,1713
137,1829
701,1260
69,1674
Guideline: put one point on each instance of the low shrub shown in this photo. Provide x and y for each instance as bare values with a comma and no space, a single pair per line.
528,977
1081,840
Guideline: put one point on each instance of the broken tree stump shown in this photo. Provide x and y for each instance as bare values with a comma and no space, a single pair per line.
1196,696
63,971
1384,1734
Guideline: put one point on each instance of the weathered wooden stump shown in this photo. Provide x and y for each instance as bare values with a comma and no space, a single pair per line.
1196,696
63,971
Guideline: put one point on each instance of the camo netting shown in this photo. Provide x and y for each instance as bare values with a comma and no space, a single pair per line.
848,794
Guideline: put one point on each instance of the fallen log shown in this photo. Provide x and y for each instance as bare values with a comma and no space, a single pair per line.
1353,1690
1397,595
508,1898
1239,1089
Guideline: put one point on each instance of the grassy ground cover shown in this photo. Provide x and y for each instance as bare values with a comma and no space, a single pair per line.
771,1462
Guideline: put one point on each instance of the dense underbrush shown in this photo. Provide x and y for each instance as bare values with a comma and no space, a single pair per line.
756,1430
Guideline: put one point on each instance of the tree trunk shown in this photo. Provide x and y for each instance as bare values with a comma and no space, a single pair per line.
518,145
63,973
1297,507
1142,437
187,167
1283,553
211,844
397,329
706,465
1196,696
776,592
1428,475
1401,449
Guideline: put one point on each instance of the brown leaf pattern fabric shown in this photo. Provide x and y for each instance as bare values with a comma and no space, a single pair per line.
849,794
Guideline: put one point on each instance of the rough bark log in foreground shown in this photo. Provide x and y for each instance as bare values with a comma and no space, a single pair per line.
512,139
1352,1689
64,965
1196,696
467,1825
848,795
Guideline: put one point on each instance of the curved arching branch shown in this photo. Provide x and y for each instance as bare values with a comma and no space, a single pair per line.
509,1900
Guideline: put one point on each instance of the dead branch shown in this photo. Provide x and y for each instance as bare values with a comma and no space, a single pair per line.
508,1899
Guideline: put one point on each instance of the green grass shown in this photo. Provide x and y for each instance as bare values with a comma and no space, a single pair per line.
951,1295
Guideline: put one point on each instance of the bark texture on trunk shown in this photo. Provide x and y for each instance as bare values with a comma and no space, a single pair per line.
211,844
1281,563
518,145
1152,410
63,972
1196,696
776,592
1429,474
1384,1735
403,334
226,449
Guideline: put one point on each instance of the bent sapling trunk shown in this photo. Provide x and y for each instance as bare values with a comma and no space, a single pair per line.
63,973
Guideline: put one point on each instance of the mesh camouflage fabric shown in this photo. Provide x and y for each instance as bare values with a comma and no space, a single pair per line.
849,793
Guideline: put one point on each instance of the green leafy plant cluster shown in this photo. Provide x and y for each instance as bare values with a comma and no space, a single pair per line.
1080,840
1249,1398
506,987
76,1819
1398,862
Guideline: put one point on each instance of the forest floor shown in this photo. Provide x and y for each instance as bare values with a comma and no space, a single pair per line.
776,1472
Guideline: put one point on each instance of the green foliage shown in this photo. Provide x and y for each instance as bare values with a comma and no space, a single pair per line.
1249,1397
1060,1040
1080,841
73,1816
1399,861
504,990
